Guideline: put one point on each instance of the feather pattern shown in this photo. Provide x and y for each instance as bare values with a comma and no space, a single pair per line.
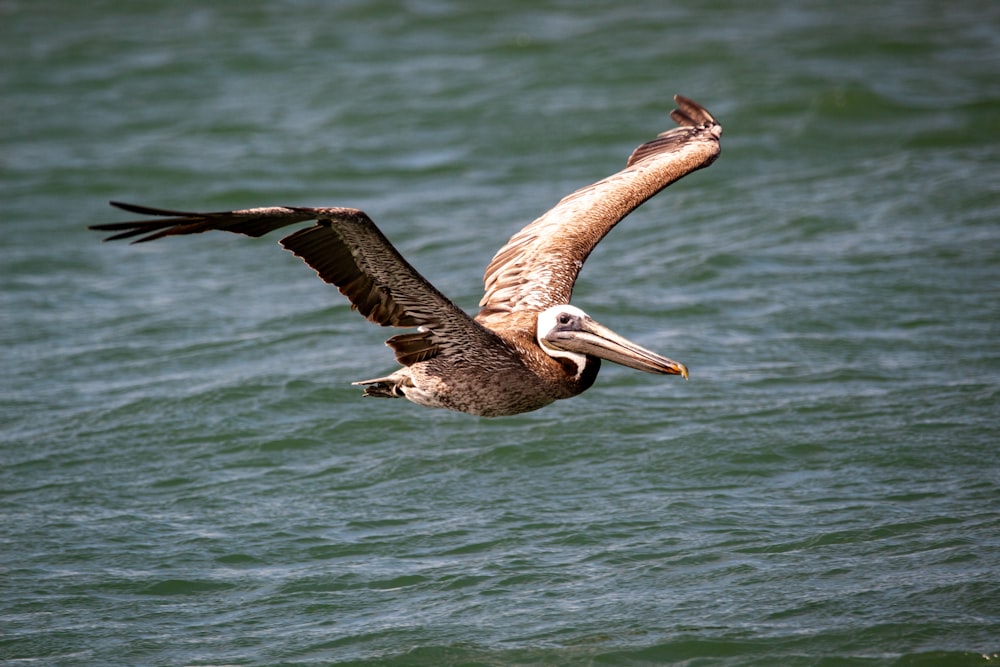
347,250
538,266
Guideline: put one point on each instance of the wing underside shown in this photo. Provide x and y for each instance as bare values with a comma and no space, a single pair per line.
538,266
347,250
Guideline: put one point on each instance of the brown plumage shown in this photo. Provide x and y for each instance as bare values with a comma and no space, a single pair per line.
527,346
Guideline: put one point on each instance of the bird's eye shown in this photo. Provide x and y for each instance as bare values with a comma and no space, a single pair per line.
565,319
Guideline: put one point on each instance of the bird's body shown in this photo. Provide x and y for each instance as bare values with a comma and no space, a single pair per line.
527,347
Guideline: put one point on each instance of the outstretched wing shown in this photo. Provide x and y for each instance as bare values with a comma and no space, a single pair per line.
539,265
346,249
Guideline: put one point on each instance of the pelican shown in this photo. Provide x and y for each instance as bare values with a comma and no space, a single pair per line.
527,346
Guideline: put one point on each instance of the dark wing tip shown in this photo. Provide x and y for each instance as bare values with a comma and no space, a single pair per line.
154,228
253,222
694,123
691,114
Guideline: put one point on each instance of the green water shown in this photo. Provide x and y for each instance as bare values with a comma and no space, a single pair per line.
188,478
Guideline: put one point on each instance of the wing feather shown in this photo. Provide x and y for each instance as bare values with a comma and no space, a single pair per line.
251,222
346,249
538,266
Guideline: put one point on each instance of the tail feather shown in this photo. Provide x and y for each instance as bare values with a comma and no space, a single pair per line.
390,386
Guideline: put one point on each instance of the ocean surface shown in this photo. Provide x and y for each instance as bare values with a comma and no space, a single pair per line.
187,476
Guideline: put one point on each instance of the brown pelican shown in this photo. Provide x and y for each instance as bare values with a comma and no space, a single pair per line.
527,346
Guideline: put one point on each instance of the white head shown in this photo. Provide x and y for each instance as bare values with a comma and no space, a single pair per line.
566,332
558,322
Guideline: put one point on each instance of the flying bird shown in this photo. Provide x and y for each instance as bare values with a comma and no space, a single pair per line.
527,346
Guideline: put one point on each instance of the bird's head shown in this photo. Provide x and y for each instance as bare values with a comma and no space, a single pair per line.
567,333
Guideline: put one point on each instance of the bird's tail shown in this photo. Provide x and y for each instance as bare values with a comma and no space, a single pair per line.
390,386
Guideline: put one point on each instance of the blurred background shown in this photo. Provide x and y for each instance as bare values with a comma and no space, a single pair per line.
187,476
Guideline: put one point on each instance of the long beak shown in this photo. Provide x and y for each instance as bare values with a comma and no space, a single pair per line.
599,341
